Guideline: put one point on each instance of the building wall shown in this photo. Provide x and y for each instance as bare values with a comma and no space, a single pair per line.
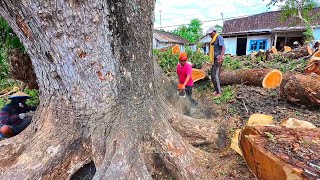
231,45
268,37
317,33
158,45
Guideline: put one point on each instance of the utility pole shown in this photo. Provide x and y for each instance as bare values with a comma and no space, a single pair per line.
160,19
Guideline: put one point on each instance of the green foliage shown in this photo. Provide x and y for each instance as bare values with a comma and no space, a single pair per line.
167,60
278,62
33,101
203,85
2,102
192,32
8,40
309,35
196,58
235,63
218,28
228,94
4,65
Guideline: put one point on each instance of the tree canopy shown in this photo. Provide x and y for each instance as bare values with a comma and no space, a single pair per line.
192,32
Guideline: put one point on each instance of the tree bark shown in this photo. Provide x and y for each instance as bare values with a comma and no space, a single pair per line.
301,89
273,152
100,95
21,68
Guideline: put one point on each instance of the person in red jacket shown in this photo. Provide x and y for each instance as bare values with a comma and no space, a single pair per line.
184,70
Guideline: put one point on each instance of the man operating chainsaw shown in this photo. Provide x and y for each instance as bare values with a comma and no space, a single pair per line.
184,70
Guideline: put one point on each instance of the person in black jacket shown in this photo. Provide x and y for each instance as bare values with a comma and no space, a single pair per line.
14,114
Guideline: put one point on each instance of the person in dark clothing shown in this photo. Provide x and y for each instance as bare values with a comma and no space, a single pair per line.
14,113
217,49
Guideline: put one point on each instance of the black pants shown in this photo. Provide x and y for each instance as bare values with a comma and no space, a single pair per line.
215,76
25,123
188,91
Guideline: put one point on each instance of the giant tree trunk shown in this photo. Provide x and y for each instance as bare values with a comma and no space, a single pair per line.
101,101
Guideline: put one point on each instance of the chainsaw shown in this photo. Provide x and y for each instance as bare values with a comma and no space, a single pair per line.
181,91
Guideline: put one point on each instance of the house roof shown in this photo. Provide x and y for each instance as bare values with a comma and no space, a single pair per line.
169,37
265,22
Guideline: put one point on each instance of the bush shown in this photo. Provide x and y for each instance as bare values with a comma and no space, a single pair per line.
166,60
169,61
196,58
228,94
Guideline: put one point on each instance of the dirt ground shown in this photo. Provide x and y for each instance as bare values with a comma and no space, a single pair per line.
249,100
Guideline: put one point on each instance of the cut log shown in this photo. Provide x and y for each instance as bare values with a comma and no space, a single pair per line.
297,53
296,123
301,88
206,67
313,65
175,49
197,74
310,50
254,119
274,50
287,49
266,78
273,152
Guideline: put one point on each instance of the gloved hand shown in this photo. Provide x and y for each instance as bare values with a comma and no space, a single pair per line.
22,115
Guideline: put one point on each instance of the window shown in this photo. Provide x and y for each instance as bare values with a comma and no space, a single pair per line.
256,45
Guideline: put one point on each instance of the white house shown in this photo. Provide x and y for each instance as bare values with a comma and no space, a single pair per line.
163,39
260,32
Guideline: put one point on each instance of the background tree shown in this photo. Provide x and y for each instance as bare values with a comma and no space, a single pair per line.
192,32
8,40
103,100
14,62
301,10
218,28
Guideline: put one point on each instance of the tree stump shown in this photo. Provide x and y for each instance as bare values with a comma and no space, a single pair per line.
273,152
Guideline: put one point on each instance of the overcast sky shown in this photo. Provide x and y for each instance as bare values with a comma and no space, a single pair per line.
177,12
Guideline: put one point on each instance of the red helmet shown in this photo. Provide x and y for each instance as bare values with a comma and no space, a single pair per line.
183,56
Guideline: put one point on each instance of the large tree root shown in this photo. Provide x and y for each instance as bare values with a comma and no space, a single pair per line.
203,131
122,156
